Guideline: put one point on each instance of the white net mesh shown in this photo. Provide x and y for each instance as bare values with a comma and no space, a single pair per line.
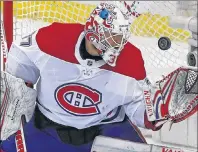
186,8
149,24
191,82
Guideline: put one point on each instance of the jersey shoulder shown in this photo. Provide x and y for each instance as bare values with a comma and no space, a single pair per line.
130,63
59,40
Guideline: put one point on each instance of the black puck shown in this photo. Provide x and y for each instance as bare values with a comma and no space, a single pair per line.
164,43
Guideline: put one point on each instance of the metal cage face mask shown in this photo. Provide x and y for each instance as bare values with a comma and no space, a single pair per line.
108,30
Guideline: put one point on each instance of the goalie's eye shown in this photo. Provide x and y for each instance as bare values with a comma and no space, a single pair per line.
116,48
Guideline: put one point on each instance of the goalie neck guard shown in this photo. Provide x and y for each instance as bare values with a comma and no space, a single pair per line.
108,29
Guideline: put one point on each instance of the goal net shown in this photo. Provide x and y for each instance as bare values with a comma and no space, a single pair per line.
150,22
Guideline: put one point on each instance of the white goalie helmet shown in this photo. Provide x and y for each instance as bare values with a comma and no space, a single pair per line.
108,29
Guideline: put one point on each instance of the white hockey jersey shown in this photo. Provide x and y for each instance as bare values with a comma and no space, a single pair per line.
76,92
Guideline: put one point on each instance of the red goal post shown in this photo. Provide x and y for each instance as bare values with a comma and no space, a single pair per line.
8,21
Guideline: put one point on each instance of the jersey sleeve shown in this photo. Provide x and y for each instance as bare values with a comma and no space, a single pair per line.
19,64
135,107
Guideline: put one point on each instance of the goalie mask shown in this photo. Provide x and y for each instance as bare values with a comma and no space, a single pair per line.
108,29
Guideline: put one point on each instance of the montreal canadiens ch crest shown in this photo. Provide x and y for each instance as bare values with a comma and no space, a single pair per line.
78,99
